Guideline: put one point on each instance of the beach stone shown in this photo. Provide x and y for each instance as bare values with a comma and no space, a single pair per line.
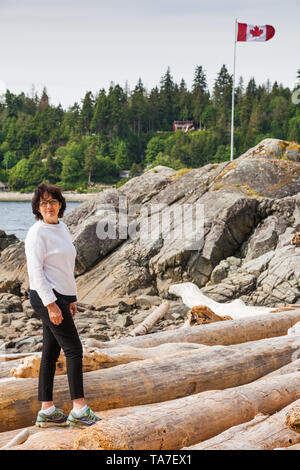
123,321
147,301
6,240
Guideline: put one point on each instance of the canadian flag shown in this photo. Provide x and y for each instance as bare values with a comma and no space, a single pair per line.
253,32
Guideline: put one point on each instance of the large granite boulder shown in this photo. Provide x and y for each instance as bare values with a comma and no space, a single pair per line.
250,211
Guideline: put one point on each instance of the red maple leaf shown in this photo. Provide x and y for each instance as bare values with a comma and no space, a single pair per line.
256,31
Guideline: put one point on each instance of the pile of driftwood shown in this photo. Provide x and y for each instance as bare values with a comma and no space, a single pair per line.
232,384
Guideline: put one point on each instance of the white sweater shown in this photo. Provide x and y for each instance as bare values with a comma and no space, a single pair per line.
50,256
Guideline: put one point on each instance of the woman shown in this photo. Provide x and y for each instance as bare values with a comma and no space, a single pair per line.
50,256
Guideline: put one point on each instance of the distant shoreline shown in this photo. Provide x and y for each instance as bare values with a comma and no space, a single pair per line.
69,196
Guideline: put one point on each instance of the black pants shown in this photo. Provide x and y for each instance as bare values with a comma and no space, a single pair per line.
55,338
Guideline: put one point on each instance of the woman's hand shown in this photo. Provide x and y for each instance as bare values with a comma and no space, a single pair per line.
55,313
73,309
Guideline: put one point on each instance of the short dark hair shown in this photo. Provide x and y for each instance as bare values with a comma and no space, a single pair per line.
55,192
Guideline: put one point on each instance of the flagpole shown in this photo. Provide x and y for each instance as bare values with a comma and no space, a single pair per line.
233,85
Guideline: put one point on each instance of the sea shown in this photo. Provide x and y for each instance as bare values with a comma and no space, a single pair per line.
16,217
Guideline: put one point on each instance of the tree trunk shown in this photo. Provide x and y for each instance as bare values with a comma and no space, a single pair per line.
94,359
227,332
191,295
186,421
293,366
263,433
154,380
147,325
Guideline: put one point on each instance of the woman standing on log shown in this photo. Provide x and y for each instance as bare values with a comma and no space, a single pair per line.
50,256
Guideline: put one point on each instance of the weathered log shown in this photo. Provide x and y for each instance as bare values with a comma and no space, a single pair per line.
263,433
21,437
191,295
94,359
13,357
147,325
189,420
154,380
5,367
225,333
293,366
56,438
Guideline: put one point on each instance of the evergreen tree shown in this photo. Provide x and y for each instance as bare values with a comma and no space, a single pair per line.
166,95
86,113
101,115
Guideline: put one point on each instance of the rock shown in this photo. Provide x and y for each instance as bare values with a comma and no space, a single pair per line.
5,319
10,302
6,240
13,271
126,305
292,155
27,344
123,321
224,268
147,301
251,208
265,237
99,336
26,305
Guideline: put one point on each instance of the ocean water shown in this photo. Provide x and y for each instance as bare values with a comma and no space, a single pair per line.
16,217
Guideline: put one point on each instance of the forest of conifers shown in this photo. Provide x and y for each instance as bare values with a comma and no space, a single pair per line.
118,129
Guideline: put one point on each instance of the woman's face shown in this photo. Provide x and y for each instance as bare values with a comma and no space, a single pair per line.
49,208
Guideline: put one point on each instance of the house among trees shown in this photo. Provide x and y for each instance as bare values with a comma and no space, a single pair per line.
185,126
124,174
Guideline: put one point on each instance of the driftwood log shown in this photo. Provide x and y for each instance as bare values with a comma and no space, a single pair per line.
293,366
191,295
94,359
14,357
147,325
263,433
186,421
225,332
21,437
154,380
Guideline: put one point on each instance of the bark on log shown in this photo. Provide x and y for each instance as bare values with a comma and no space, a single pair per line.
225,333
201,314
263,433
147,325
154,380
94,359
293,418
288,369
186,421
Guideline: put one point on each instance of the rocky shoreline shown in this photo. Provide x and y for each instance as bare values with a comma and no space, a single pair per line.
251,214
21,329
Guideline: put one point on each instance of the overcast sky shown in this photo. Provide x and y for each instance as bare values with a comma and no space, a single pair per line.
73,46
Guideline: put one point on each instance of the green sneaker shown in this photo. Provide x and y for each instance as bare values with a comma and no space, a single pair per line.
57,418
88,418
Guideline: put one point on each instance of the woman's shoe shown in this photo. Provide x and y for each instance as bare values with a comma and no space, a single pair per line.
88,418
57,418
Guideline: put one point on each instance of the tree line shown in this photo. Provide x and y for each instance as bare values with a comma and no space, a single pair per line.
118,129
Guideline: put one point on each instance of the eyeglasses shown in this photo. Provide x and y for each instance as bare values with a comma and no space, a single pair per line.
52,202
